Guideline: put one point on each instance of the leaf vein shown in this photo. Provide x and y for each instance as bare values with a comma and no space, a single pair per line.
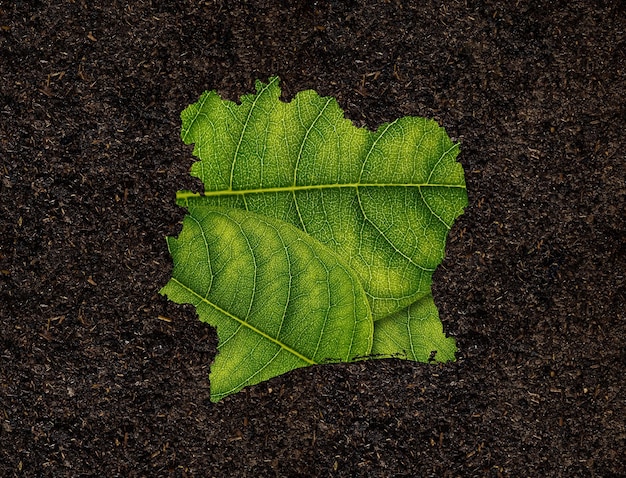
245,324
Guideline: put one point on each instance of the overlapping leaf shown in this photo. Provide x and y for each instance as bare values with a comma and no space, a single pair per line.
383,201
279,299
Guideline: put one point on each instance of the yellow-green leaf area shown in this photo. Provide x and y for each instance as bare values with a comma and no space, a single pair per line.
414,334
313,240
279,299
383,200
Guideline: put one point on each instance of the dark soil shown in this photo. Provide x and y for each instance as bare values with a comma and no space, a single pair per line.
94,381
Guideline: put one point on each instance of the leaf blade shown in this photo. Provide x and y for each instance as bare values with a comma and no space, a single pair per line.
414,333
325,153
270,290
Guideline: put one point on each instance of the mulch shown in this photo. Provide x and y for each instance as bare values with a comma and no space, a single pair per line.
100,375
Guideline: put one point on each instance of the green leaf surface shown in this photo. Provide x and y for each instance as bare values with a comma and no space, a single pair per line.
414,333
384,200
378,204
278,298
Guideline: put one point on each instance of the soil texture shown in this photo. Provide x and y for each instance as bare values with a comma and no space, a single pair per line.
100,375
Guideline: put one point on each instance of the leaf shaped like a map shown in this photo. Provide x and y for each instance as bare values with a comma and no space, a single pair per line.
384,201
279,299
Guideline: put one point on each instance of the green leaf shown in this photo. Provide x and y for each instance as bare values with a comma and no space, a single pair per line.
384,201
278,298
413,334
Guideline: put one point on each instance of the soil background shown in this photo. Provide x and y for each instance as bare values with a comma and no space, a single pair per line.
94,381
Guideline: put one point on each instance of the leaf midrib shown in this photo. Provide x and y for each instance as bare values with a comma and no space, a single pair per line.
245,324
311,187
